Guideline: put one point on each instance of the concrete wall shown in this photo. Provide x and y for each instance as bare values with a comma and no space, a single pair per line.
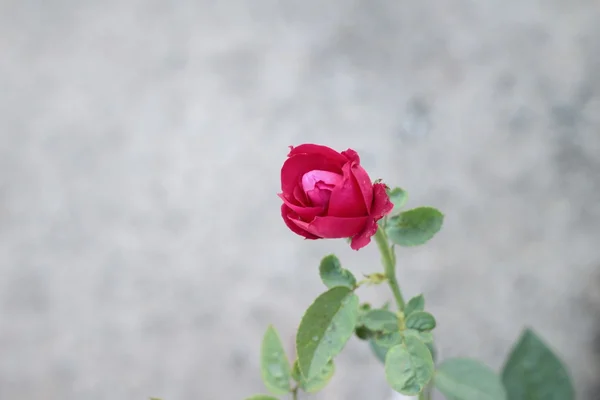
141,247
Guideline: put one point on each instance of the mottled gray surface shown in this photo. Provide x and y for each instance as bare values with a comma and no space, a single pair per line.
141,247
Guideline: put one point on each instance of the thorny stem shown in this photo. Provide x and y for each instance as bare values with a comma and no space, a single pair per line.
389,265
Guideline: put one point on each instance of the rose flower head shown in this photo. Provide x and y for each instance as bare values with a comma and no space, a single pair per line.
329,195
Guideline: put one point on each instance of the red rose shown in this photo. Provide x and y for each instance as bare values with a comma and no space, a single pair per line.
327,194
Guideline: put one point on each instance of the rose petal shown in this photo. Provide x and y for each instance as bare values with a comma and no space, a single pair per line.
381,207
333,227
381,202
300,197
311,178
364,184
351,155
316,149
364,238
287,214
319,197
318,186
297,165
347,199
304,212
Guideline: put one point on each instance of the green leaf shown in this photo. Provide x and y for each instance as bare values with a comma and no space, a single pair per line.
388,339
316,383
378,350
432,350
262,397
274,365
534,372
409,366
417,303
325,328
420,321
332,273
380,343
398,197
361,331
466,379
414,227
425,337
380,320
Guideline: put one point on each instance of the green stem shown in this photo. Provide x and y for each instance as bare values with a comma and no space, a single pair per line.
295,393
389,265
426,393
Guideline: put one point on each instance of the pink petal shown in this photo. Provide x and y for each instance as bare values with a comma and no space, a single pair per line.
318,186
287,214
364,238
319,197
364,184
381,207
304,212
311,178
346,198
297,165
300,197
381,202
332,227
316,149
351,155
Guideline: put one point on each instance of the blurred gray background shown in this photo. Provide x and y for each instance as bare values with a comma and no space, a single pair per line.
141,247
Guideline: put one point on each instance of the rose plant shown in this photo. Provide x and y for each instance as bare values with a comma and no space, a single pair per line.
327,194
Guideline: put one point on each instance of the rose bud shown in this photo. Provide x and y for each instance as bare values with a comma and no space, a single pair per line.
327,194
